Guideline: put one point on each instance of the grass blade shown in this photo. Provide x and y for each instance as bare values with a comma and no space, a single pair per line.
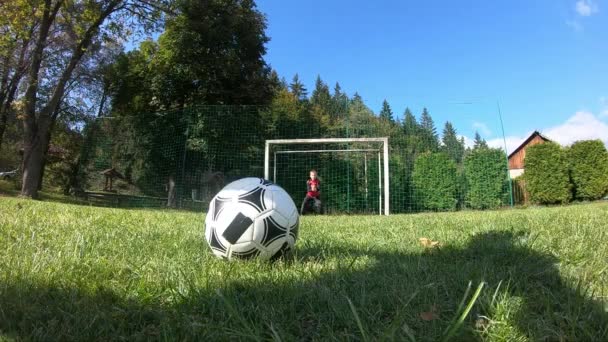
454,327
235,313
357,319
460,307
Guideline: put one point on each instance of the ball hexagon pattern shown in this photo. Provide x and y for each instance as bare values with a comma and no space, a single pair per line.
251,217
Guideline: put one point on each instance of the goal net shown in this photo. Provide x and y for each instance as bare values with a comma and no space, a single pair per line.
354,173
367,164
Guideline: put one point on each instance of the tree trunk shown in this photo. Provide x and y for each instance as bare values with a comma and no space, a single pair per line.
3,121
33,162
42,168
35,126
171,196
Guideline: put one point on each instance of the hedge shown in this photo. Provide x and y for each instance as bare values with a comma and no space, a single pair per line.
435,181
588,169
486,176
547,175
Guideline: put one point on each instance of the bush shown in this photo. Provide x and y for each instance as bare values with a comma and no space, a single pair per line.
546,175
486,175
435,181
588,169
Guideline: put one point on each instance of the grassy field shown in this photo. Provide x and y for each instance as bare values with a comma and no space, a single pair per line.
70,272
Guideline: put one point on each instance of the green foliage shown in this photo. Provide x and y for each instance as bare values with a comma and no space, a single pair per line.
485,172
298,89
546,174
452,146
212,53
588,169
435,180
479,142
410,126
386,113
428,132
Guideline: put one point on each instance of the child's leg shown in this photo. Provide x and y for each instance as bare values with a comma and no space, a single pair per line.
317,205
304,203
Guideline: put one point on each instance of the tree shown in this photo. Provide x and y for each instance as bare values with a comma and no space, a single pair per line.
212,53
452,146
546,176
298,89
216,61
320,95
53,61
386,113
15,49
435,180
410,126
428,132
485,173
588,169
479,142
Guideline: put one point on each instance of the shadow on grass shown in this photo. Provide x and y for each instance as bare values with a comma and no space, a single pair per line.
388,292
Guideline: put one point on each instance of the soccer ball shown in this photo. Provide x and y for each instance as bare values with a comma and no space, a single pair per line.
251,217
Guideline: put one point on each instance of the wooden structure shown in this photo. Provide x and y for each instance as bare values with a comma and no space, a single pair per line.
517,165
110,174
517,157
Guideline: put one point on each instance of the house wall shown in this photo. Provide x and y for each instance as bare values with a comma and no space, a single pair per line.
517,160
514,173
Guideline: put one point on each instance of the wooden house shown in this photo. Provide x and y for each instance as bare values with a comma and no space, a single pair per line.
518,156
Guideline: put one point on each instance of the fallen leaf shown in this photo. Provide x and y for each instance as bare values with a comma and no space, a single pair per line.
428,243
430,315
482,323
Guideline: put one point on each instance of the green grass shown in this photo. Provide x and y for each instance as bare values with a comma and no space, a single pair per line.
70,272
12,188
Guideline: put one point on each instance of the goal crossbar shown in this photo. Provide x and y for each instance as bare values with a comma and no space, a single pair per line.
326,151
382,140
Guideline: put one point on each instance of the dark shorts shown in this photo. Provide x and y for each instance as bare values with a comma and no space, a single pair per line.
310,204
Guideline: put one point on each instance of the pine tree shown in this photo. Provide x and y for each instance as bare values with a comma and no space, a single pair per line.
298,89
410,126
339,102
479,142
321,96
453,147
386,113
430,139
277,84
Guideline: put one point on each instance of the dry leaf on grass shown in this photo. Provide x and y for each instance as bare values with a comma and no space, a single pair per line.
482,323
428,243
430,315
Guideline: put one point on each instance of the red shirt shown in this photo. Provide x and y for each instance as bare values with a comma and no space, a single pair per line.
312,187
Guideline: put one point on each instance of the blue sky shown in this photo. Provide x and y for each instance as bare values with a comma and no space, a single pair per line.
544,61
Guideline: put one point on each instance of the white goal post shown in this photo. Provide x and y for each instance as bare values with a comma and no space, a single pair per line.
383,141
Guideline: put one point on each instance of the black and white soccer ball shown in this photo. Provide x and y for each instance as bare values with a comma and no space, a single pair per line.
249,218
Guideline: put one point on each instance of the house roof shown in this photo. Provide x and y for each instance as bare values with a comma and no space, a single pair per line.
532,136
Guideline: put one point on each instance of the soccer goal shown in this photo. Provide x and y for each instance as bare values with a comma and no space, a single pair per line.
354,172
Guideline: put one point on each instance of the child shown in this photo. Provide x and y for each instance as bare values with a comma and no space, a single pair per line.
313,193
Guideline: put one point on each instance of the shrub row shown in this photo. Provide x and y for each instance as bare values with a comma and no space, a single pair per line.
440,185
556,175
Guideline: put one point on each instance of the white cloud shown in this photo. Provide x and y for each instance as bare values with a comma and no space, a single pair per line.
482,128
468,142
575,25
585,8
604,107
581,126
